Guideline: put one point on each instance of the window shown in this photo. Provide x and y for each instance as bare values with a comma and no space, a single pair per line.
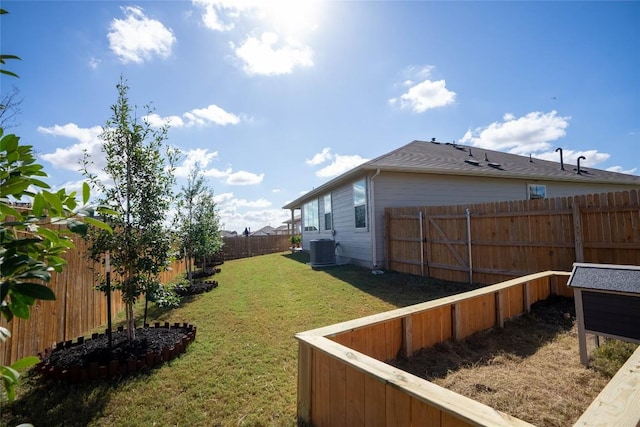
311,222
360,203
537,191
328,223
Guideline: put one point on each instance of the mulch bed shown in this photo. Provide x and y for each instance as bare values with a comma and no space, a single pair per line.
197,288
91,359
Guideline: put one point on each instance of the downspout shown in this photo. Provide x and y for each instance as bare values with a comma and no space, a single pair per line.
374,246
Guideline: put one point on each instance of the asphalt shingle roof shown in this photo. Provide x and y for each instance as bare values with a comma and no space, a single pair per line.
450,158
456,159
606,278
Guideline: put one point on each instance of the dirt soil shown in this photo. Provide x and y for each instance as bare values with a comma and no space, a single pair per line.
529,369
96,350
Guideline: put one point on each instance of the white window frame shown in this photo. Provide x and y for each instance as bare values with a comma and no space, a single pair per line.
536,191
360,201
328,217
310,217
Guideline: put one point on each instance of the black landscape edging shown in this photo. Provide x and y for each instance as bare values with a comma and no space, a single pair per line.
94,371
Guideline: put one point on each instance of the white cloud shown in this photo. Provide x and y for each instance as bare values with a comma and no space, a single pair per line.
620,169
138,38
524,135
320,158
260,203
282,24
264,56
340,165
533,134
233,216
217,173
284,16
213,114
69,158
200,157
221,15
94,62
157,121
244,178
425,96
222,198
570,157
196,117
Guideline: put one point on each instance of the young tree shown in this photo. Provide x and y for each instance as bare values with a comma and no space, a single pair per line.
207,226
197,221
140,168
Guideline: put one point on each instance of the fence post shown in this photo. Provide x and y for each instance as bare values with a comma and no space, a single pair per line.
305,372
577,232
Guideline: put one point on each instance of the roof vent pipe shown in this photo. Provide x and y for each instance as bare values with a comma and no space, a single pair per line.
561,162
486,159
470,154
530,159
581,157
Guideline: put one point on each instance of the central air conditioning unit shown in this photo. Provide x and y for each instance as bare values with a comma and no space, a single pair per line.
322,252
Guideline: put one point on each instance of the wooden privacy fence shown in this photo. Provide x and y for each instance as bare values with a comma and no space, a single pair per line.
488,242
343,380
78,308
247,246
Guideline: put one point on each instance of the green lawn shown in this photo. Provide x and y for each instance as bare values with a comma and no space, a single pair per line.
241,370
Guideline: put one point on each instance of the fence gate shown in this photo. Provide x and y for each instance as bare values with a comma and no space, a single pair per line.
423,244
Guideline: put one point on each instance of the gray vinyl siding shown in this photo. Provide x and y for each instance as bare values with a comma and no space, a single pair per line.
354,246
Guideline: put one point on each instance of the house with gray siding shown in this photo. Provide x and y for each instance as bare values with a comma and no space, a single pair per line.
349,209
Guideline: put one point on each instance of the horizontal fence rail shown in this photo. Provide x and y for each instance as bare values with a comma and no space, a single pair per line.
490,242
343,380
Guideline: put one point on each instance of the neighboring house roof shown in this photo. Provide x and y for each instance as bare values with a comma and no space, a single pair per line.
282,228
296,219
456,159
225,233
264,231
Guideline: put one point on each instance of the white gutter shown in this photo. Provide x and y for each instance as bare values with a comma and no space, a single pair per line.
374,246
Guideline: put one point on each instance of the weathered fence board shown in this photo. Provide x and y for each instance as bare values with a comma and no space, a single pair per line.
511,239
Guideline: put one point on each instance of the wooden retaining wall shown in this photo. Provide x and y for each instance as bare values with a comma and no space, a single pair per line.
343,380
511,239
78,308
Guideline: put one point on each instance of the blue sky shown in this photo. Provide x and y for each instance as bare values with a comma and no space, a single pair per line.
275,98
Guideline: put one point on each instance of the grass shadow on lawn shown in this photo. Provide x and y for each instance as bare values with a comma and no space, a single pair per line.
64,404
395,288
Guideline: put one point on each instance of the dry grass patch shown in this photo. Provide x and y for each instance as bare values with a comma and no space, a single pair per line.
530,369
